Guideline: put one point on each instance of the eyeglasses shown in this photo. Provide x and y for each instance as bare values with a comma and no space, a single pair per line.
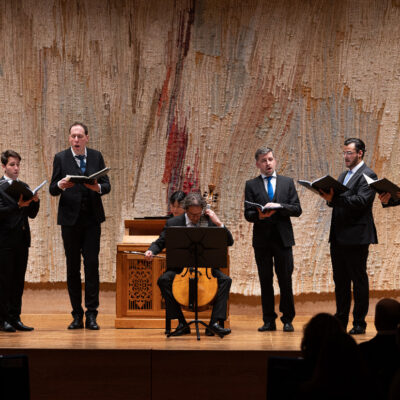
349,153
194,215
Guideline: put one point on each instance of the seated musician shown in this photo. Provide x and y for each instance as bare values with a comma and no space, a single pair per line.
194,206
176,203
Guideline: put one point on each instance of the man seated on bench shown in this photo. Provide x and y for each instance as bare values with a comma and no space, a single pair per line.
195,215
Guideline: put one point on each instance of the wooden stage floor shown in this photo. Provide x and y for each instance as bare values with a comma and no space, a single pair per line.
144,364
51,333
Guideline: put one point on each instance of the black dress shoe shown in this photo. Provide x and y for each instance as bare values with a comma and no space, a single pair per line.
268,326
288,327
217,328
181,329
19,326
357,330
6,327
77,323
91,323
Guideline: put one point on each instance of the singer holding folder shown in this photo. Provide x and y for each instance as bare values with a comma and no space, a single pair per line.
273,236
15,240
80,213
352,231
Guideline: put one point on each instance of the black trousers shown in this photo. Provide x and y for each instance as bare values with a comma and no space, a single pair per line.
275,254
349,264
173,309
82,239
13,263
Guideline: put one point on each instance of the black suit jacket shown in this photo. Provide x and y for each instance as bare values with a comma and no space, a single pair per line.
352,219
13,219
286,195
70,201
157,246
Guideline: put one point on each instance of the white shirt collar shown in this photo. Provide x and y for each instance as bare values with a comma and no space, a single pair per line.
357,167
188,221
9,180
265,176
74,154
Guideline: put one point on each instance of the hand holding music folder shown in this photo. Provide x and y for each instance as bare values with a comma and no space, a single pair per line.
262,208
383,186
17,188
325,184
87,179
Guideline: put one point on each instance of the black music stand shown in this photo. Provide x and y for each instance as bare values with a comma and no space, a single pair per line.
199,248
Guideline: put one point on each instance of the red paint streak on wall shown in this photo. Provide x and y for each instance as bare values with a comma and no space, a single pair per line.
191,182
164,92
175,156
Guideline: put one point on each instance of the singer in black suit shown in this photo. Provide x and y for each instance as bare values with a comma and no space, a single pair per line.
194,206
273,236
352,231
15,240
80,213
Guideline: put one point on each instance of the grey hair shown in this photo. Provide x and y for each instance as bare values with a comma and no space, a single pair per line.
194,199
262,151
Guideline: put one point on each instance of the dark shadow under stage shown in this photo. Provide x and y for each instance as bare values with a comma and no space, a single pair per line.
144,364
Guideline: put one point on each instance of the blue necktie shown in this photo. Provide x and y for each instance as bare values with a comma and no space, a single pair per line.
346,179
270,188
82,160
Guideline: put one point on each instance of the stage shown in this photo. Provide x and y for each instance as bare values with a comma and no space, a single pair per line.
144,364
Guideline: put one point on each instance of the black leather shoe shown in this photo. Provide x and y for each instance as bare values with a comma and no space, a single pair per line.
357,330
217,328
288,327
268,326
6,327
181,329
77,323
91,323
19,326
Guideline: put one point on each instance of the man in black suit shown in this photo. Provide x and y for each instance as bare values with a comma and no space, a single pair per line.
273,236
352,231
15,240
194,205
80,213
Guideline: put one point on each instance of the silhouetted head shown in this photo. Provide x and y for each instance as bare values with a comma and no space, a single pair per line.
387,315
316,332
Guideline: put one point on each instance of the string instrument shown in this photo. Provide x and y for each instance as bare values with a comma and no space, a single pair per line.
184,285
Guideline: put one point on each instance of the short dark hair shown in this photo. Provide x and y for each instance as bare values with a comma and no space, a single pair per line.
358,143
262,151
194,199
387,314
79,124
5,155
177,196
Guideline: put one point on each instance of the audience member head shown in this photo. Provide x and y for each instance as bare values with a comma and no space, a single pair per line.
176,203
316,332
340,372
387,315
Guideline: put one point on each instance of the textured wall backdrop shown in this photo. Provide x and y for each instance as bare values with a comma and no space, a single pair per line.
180,93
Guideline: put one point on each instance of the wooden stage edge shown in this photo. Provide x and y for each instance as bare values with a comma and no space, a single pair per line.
144,364
51,333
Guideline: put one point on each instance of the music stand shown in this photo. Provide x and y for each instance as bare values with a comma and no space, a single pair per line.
199,248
